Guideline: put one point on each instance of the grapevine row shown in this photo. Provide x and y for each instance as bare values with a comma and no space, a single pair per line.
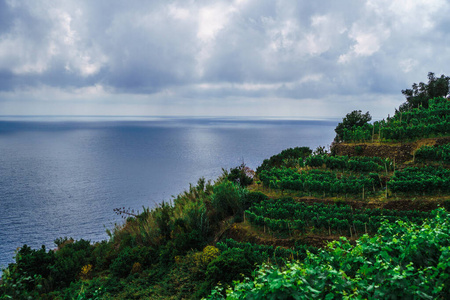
356,164
436,153
416,123
421,180
287,215
269,252
319,181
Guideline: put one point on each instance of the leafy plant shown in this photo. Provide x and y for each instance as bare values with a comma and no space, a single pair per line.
404,260
242,175
352,121
420,93
228,199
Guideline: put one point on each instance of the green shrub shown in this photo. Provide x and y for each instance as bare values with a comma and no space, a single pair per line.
232,264
196,218
121,266
228,199
34,262
24,278
69,261
163,215
242,175
252,198
189,240
102,255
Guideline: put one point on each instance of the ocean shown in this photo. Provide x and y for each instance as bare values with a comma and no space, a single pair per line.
63,176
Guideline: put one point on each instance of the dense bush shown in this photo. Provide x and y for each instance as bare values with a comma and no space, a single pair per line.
232,264
69,261
228,199
39,270
242,175
34,262
253,198
355,122
121,266
420,94
24,279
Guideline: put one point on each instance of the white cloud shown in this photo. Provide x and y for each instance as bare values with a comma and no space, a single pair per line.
179,13
210,51
367,41
407,65
28,50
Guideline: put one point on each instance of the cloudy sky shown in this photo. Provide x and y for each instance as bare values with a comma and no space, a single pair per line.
244,57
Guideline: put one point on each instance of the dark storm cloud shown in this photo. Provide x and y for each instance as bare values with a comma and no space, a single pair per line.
219,49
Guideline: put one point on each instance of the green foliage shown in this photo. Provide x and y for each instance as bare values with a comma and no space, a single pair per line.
162,215
404,261
102,255
421,118
355,122
292,157
40,271
418,122
34,262
228,199
24,279
434,153
197,219
428,180
317,181
253,198
188,240
420,93
242,175
123,264
231,265
80,290
263,253
69,261
355,164
287,216
16,285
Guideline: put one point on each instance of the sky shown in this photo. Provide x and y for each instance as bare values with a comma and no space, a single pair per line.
301,59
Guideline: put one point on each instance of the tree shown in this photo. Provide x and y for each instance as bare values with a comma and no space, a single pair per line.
420,93
351,121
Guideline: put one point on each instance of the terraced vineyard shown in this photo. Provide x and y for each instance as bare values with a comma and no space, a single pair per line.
427,180
416,123
291,217
434,153
324,182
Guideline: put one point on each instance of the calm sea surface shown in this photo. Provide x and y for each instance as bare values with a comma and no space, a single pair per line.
64,176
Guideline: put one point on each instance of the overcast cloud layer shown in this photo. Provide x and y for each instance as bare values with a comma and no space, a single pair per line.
251,58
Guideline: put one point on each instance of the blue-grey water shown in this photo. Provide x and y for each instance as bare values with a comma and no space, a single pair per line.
64,176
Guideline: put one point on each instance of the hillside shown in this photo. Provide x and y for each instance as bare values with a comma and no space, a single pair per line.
360,220
400,152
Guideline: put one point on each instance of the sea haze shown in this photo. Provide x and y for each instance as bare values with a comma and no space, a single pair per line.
64,176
